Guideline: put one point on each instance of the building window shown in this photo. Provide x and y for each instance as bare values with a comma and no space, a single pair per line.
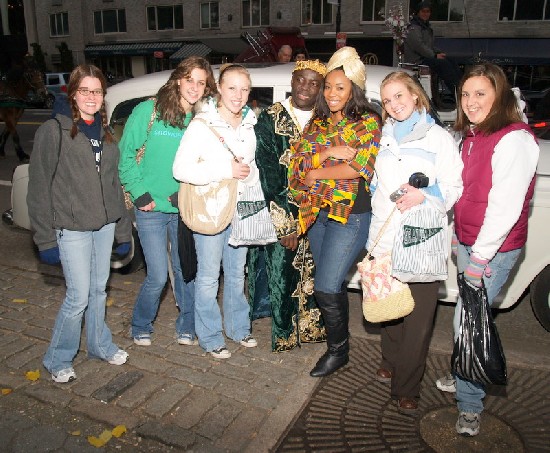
372,10
524,10
59,24
255,13
317,12
443,10
164,17
210,15
110,21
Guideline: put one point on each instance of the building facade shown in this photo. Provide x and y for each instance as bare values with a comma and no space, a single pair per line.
131,37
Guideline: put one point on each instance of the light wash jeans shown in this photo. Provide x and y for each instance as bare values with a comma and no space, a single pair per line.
212,252
335,247
155,229
86,261
469,395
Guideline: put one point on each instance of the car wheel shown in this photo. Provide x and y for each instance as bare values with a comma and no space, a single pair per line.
540,297
132,262
49,101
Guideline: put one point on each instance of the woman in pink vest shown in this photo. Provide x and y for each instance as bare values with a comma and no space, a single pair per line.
500,156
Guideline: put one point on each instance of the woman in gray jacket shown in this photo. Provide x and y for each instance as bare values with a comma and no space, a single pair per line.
74,200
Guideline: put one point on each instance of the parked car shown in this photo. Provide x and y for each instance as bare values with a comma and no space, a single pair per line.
271,82
56,85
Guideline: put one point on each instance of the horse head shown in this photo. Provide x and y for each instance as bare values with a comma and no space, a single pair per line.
35,81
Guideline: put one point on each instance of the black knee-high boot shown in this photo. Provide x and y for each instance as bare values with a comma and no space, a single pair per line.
335,311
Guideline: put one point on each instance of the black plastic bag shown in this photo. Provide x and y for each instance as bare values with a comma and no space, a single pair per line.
186,251
477,353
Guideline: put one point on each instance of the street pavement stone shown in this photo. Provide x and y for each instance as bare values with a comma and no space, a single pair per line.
117,386
166,399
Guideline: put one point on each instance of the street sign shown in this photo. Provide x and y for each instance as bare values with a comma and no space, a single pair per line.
341,38
158,54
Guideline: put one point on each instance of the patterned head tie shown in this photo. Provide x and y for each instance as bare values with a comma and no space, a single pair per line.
348,59
314,65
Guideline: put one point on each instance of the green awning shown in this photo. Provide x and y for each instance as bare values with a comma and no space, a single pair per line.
196,48
136,48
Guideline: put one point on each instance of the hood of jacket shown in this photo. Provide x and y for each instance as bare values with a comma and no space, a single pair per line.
208,110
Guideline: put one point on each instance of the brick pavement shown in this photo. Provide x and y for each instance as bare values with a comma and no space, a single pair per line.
172,397
168,396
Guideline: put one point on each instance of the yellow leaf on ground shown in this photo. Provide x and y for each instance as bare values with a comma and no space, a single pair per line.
127,283
33,375
8,391
119,430
75,433
19,301
109,301
96,442
106,435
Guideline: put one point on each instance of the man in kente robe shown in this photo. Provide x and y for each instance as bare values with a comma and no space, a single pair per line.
288,263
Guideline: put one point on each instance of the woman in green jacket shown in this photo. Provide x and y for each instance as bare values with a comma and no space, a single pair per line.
150,183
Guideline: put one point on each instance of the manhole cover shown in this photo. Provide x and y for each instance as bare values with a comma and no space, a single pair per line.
351,411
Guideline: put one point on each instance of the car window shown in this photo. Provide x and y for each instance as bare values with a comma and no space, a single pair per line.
121,113
53,80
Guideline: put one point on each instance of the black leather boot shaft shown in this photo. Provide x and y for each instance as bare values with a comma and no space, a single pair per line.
335,311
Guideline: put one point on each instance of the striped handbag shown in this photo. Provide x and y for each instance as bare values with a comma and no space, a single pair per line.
252,224
420,247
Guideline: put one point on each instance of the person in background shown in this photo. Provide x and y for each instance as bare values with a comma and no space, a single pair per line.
288,286
150,184
203,159
285,54
419,48
75,199
329,174
411,142
491,216
300,54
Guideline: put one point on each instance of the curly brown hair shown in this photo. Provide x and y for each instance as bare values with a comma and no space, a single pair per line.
168,97
77,75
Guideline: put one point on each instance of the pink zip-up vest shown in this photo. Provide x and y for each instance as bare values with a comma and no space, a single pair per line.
469,211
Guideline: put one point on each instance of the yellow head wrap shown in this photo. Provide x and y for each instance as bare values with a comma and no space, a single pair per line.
349,60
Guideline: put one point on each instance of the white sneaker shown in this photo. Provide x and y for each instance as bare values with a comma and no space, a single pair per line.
143,339
446,383
119,358
187,339
64,376
468,423
221,353
249,342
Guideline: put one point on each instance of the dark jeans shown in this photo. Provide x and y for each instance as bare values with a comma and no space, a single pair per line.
446,69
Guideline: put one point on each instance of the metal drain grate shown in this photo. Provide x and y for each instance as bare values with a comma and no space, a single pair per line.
351,411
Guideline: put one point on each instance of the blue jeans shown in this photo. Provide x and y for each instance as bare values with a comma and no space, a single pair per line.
469,395
155,229
86,261
212,252
335,247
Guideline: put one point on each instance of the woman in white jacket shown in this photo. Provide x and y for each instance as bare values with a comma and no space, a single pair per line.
411,142
202,159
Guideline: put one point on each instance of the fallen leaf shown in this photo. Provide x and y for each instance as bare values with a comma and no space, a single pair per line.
109,301
127,283
106,435
75,433
100,441
96,442
119,430
19,301
6,391
33,375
